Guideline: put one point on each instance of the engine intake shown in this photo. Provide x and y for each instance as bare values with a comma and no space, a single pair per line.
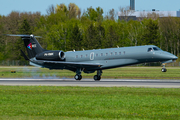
51,55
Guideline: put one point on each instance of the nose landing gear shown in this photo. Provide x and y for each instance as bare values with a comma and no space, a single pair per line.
163,69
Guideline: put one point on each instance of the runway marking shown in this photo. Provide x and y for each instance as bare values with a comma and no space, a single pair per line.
69,79
91,82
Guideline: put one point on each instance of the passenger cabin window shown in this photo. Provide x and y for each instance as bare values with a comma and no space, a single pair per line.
111,53
119,53
150,49
76,56
106,54
115,53
86,55
101,54
81,56
96,55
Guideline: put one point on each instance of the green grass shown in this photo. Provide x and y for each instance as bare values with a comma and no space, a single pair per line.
118,73
52,102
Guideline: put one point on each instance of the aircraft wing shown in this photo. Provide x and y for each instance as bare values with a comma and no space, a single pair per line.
56,64
79,64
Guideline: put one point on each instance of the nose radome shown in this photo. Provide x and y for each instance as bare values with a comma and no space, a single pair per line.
175,57
170,56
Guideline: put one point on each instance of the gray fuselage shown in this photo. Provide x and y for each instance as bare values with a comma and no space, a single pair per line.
117,57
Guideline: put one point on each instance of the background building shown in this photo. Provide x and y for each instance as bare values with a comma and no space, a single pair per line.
131,14
132,4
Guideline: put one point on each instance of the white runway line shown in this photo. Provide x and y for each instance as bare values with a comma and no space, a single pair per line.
91,82
103,80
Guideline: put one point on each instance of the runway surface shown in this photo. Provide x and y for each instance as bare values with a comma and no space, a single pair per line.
92,83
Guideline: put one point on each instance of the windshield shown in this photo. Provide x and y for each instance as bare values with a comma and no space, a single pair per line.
150,49
156,48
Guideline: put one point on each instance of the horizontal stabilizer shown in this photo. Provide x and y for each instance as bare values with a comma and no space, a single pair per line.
23,36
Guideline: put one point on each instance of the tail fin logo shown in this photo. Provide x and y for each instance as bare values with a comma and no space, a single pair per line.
30,46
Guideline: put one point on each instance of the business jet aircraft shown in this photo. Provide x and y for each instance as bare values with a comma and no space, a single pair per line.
90,61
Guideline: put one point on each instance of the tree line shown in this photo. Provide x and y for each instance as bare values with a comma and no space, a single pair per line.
67,28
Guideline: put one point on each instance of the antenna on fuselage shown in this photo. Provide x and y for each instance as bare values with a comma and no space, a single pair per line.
117,46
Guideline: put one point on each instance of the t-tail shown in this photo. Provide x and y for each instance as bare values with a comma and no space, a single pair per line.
32,45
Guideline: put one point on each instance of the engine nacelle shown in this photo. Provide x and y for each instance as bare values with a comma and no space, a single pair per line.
51,55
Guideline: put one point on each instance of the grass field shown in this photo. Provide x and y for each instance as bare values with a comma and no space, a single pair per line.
118,73
88,103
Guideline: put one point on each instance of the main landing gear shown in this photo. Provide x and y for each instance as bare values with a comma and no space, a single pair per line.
163,69
98,76
78,75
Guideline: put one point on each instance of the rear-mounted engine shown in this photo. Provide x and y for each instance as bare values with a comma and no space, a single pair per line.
51,56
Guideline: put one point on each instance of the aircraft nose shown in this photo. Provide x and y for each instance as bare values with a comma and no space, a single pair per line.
170,56
174,57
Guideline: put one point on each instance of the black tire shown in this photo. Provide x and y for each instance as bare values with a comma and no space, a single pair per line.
78,77
163,69
97,78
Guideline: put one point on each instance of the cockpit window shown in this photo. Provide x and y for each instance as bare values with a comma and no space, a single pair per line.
156,48
150,49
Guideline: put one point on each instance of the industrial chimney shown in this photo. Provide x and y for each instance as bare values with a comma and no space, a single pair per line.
132,4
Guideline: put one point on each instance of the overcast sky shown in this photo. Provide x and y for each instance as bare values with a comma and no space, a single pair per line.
7,6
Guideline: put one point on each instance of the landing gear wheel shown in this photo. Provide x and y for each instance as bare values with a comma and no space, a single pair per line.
163,69
97,78
78,77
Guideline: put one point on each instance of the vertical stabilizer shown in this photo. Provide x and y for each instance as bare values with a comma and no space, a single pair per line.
32,45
